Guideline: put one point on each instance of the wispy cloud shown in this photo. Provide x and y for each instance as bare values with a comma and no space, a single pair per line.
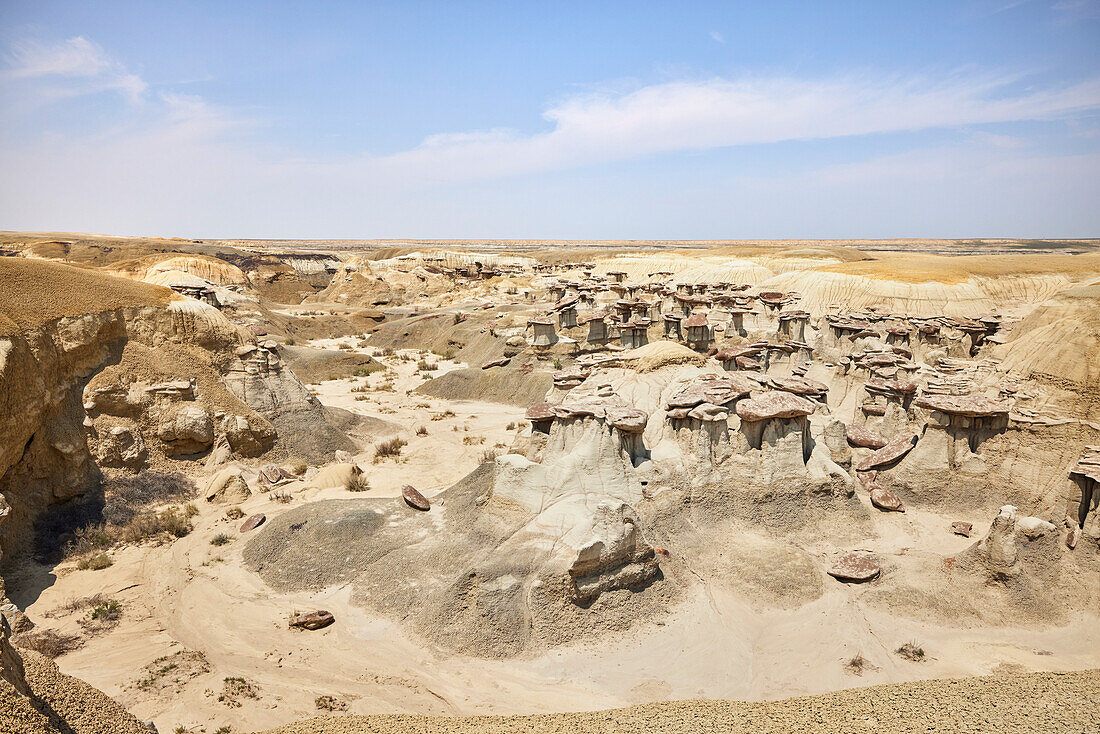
717,37
1074,11
701,115
72,67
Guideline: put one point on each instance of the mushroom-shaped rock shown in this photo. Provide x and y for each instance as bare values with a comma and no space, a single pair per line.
798,385
774,405
627,419
884,499
856,567
898,447
541,412
414,499
708,412
863,437
313,620
971,406
253,521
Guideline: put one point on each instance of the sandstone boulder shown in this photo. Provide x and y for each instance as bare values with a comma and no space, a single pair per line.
863,437
313,620
414,499
855,567
185,428
898,447
886,500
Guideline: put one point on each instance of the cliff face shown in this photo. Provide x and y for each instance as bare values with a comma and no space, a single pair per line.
119,381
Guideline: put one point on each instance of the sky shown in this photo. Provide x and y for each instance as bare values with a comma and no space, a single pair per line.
552,120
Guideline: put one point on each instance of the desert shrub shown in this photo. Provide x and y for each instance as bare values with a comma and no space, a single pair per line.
488,455
448,354
50,643
421,430
221,539
858,664
297,467
289,341
473,440
911,651
389,448
235,688
234,513
281,496
329,703
426,366
511,426
557,363
94,562
108,610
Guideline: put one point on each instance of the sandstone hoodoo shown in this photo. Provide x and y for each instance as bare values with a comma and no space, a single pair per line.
774,405
897,433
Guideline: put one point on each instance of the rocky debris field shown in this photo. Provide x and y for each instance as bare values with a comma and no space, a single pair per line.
1022,704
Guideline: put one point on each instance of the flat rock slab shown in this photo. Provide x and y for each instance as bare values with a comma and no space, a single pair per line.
972,406
898,447
855,567
313,620
252,522
774,405
884,499
414,499
496,363
961,528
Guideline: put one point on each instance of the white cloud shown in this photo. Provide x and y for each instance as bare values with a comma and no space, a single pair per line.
701,115
717,37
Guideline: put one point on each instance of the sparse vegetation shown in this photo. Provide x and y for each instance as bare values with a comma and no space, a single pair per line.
911,651
330,703
172,672
557,363
857,664
390,448
121,514
281,496
473,440
426,366
511,426
94,562
220,539
421,430
234,689
488,455
49,643
105,615
234,513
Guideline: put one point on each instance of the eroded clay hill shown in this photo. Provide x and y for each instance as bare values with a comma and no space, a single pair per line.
543,481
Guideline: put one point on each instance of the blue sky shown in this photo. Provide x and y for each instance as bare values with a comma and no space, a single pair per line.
552,120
